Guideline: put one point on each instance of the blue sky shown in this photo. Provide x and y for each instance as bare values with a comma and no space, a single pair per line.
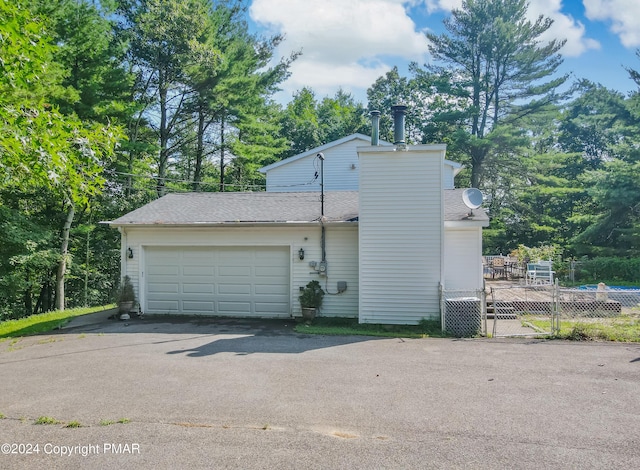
348,44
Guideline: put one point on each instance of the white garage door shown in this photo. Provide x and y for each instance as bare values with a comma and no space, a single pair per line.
228,281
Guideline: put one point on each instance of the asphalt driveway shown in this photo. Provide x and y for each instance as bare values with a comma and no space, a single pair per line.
252,394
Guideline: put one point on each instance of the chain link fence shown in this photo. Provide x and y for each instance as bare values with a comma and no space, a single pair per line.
538,310
522,310
598,307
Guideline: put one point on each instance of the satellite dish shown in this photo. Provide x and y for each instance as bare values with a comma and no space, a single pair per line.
472,198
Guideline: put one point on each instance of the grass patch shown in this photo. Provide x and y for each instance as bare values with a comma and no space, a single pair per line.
624,329
73,424
2,416
109,422
46,420
621,329
44,322
350,326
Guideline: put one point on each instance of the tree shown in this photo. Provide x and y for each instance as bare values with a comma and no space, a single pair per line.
234,92
40,147
166,38
493,53
392,89
614,228
300,123
592,124
341,116
308,123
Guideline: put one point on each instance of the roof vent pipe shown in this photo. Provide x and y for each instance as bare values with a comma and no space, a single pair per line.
398,124
375,128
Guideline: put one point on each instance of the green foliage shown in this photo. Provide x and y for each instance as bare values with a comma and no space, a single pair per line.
608,269
621,329
307,123
392,89
525,254
312,295
615,226
46,420
497,56
126,292
43,322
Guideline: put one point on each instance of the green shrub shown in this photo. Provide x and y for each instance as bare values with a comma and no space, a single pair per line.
602,269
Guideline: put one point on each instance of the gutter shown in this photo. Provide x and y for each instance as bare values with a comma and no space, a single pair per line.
228,224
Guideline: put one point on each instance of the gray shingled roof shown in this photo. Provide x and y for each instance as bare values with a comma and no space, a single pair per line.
256,207
456,211
266,207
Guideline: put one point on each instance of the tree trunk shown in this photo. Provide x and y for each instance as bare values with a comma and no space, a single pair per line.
197,173
164,136
28,300
87,260
64,252
222,165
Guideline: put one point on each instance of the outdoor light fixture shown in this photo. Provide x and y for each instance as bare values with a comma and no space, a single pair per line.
129,253
301,253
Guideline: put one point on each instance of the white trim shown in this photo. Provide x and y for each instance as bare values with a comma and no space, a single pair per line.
465,223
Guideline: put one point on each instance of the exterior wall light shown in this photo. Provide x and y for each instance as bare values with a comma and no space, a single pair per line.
301,253
129,253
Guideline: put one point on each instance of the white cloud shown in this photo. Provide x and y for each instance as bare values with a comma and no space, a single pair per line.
348,44
344,44
624,16
564,26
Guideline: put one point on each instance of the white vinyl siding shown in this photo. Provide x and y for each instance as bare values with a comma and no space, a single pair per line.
342,256
448,177
342,265
340,171
400,234
462,255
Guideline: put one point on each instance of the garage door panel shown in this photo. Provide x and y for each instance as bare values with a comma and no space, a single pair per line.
238,271
195,307
160,287
198,271
270,308
234,281
196,254
166,256
163,270
226,307
232,255
163,306
271,271
188,288
244,289
271,289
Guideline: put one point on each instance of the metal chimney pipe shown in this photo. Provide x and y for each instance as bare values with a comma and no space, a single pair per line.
398,123
375,128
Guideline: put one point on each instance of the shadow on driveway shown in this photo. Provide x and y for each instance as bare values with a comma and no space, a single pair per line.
264,342
240,337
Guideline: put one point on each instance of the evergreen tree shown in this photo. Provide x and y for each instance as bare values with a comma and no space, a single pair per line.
492,52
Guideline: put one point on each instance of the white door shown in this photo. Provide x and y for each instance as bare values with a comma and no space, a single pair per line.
226,281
